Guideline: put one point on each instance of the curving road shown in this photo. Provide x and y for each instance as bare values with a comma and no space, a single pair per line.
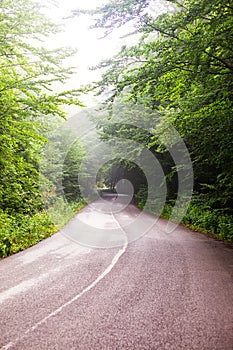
158,292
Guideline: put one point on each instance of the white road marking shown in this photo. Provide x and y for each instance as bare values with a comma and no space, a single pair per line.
22,287
76,297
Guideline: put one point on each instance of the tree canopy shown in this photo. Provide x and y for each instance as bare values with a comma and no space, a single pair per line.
29,105
182,68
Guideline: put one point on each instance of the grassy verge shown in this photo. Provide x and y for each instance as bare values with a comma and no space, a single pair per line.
199,217
212,221
20,231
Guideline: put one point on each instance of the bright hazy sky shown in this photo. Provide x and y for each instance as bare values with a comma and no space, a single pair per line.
91,49
76,34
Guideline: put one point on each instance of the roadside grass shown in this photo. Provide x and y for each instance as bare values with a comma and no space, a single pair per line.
20,231
199,217
211,221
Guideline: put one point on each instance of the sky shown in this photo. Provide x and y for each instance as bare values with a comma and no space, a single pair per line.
91,48
77,34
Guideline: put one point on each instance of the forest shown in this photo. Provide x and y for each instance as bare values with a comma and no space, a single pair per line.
29,109
180,71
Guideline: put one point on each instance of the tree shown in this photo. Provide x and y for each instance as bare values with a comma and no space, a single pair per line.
27,100
30,108
182,68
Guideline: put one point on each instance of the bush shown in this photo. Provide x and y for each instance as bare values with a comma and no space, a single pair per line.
60,212
18,231
199,216
209,220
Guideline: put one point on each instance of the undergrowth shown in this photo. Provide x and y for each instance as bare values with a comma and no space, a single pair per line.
199,216
20,231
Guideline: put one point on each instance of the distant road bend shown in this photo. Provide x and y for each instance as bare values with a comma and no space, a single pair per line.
165,292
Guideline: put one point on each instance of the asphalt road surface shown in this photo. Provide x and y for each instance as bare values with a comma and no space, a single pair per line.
159,291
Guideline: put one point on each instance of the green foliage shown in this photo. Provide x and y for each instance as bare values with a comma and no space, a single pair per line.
72,171
60,165
199,216
115,13
29,108
118,169
141,197
61,212
20,231
28,71
212,221
129,132
182,68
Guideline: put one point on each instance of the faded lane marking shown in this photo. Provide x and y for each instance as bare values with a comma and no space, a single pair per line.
21,287
76,297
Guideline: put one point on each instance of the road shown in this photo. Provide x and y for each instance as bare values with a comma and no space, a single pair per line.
160,291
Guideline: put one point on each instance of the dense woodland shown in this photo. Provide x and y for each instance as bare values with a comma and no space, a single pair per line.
30,109
181,69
